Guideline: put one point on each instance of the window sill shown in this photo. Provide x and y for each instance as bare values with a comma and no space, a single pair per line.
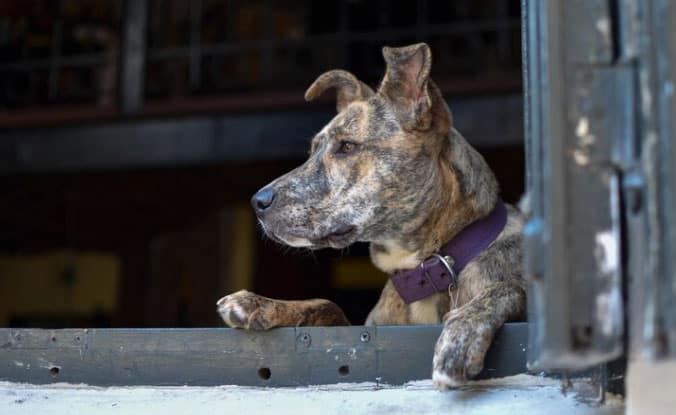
218,356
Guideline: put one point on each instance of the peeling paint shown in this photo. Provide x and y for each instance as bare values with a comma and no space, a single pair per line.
587,140
582,127
581,154
603,26
581,157
608,310
582,132
607,252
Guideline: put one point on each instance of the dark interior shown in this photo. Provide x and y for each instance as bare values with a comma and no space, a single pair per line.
141,240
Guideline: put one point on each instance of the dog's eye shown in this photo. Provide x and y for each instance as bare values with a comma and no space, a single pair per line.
345,147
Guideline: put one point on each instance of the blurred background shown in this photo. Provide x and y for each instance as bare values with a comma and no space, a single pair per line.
133,133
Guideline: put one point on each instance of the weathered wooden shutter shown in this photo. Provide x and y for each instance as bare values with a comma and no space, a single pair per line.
600,148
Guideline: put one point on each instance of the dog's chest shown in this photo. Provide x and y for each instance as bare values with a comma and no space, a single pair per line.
428,310
390,257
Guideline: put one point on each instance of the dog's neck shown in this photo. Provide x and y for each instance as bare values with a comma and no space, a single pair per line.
468,191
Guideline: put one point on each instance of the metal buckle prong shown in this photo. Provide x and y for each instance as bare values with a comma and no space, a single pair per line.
447,261
428,277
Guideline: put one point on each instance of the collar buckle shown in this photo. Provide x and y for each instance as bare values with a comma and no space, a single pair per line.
447,261
424,280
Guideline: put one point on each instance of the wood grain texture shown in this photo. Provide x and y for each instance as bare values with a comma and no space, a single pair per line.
206,357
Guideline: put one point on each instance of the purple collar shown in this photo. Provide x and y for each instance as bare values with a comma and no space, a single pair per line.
439,272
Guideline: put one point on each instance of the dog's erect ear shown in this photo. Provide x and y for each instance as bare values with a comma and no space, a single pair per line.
407,85
348,88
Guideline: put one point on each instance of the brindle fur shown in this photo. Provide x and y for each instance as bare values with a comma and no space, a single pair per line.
251,311
407,185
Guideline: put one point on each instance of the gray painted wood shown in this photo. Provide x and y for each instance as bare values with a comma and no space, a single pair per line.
206,357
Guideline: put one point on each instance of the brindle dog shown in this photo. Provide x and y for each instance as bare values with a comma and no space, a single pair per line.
390,169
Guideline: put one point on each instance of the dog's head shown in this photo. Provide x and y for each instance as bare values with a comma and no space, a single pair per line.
374,169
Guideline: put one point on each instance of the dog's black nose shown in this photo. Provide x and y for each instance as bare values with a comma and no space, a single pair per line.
263,199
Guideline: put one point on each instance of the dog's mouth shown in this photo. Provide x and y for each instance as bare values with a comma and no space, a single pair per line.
340,237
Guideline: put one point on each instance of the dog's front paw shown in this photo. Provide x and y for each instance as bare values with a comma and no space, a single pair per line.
460,350
244,310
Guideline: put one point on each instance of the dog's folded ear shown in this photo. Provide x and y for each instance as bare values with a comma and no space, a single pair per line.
348,88
407,85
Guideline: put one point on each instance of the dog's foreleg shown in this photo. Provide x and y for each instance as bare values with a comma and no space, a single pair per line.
469,330
250,311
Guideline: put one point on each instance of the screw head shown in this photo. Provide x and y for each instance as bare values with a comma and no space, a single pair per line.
365,337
